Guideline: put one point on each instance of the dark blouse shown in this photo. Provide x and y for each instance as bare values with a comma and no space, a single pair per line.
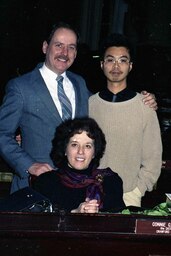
68,198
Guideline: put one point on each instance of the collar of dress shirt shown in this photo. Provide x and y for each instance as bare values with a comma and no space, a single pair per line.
46,72
125,94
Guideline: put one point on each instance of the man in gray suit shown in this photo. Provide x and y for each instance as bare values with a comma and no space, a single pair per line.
31,104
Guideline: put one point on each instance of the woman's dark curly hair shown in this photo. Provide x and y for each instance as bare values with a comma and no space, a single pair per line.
76,126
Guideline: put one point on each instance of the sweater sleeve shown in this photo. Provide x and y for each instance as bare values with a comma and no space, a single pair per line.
151,153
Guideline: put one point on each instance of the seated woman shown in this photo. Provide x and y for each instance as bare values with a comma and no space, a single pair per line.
78,186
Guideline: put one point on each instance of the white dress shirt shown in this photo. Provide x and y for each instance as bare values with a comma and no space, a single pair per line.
50,80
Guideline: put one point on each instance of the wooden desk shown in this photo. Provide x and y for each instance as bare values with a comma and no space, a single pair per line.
51,234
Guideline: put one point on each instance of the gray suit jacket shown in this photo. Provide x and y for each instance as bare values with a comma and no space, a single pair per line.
28,105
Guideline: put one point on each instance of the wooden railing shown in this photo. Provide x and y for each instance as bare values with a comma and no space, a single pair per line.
52,234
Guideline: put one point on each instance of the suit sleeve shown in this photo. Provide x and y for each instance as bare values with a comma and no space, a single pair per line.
11,112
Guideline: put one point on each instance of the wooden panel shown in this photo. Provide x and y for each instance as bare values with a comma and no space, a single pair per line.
78,234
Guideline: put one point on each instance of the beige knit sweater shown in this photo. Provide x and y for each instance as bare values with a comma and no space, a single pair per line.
134,148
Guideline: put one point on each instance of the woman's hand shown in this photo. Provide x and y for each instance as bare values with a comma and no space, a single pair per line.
89,206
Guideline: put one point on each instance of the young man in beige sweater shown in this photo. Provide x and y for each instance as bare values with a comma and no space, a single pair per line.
134,148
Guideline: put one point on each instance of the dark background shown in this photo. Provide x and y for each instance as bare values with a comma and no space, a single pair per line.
23,25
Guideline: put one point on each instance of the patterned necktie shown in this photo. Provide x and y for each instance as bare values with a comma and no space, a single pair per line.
64,101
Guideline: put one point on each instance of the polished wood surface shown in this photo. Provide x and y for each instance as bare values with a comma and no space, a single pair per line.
80,234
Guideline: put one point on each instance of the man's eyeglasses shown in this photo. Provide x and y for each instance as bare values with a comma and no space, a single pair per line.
121,61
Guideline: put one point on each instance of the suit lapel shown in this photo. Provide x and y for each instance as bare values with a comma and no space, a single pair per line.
42,92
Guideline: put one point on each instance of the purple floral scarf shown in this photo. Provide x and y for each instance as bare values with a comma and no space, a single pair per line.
93,180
